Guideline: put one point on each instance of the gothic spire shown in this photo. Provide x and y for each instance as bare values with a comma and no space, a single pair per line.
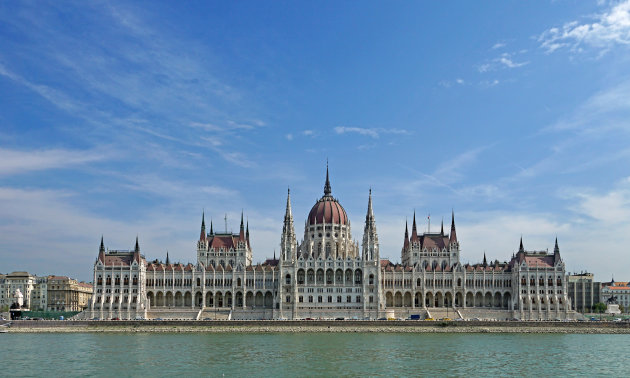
137,248
211,230
288,214
406,241
485,262
370,212
520,248
168,261
453,236
327,189
442,227
242,230
556,251
202,236
414,230
102,247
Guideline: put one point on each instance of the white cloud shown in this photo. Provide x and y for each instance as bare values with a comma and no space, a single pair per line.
308,132
289,136
610,28
498,45
19,161
505,60
371,132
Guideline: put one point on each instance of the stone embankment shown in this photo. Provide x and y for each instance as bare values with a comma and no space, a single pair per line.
31,326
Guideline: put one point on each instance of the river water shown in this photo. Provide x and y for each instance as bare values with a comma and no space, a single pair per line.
308,354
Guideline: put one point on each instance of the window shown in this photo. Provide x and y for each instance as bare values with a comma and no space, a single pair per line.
301,299
349,299
288,279
358,299
330,299
310,299
288,299
319,299
338,298
371,299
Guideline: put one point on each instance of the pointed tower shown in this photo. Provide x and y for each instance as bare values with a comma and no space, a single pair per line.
485,262
414,230
442,227
137,247
101,251
202,236
241,234
453,235
370,237
288,240
406,241
327,188
211,230
168,261
247,233
520,248
556,252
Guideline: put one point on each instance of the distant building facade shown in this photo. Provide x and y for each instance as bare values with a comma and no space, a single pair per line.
584,292
328,275
618,290
31,287
67,294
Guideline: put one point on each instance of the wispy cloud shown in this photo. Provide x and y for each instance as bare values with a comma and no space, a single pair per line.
610,28
498,45
371,132
22,161
505,60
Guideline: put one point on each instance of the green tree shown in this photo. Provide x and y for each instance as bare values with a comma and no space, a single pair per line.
621,308
599,307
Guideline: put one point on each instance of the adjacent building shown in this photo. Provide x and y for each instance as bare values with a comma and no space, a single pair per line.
67,294
584,292
28,285
327,274
619,291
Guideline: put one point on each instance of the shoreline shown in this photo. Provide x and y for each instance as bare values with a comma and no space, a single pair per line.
316,327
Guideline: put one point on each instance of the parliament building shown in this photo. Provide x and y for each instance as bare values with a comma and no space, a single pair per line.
328,275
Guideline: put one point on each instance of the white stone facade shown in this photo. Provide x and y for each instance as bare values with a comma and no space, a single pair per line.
328,275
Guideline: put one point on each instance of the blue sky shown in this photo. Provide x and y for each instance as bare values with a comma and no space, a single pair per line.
129,118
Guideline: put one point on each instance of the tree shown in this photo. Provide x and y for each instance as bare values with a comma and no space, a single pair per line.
599,307
621,308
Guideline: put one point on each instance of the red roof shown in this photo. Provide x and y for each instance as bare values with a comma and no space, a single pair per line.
327,210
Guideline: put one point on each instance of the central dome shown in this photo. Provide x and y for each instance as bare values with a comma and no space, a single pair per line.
327,209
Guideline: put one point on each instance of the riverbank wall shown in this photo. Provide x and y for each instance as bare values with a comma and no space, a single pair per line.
38,326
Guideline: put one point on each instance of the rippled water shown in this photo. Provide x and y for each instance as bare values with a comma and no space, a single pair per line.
305,354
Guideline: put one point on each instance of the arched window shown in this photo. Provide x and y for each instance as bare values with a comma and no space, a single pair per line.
238,281
199,281
459,282
288,279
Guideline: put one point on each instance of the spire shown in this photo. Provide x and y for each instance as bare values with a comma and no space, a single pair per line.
453,236
414,230
442,227
102,247
241,234
520,248
247,230
274,254
288,214
327,189
202,236
211,231
137,248
485,262
168,261
406,241
556,252
369,217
